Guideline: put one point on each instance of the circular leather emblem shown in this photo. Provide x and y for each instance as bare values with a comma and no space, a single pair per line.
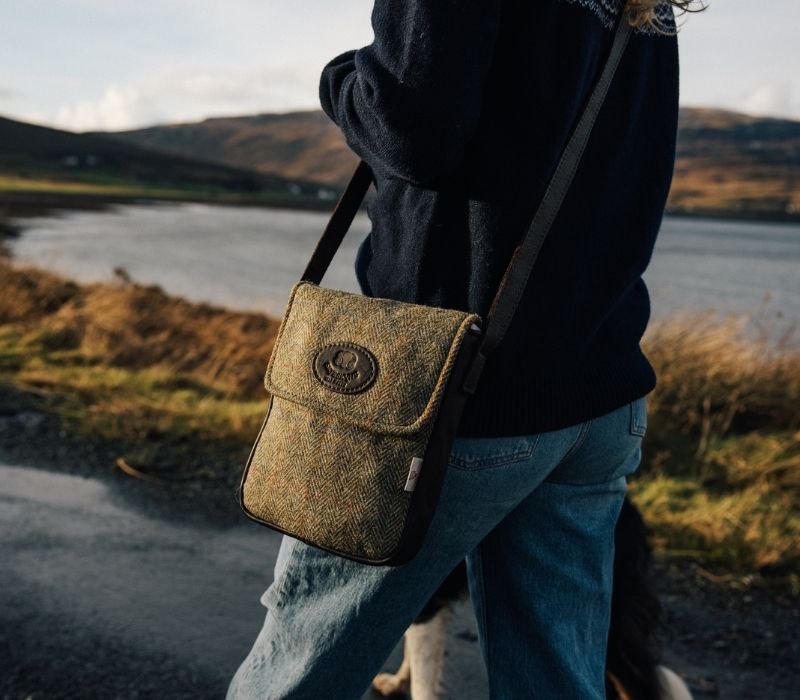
345,367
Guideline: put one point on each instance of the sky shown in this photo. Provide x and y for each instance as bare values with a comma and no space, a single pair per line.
116,64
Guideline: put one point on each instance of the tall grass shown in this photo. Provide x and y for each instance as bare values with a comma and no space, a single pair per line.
721,472
721,477
135,327
716,379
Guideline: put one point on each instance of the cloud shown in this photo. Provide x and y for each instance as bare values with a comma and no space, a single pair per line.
115,109
771,99
186,95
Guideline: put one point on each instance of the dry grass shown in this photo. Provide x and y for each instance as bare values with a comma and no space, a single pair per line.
700,185
716,380
137,327
721,476
127,361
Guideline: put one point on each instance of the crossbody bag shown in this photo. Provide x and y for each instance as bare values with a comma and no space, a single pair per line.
366,393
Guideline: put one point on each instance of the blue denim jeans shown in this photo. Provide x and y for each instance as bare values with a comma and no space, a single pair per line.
534,516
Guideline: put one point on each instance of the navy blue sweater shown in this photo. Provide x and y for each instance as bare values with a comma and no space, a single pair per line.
462,109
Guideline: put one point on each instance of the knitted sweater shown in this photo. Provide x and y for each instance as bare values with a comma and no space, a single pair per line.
462,109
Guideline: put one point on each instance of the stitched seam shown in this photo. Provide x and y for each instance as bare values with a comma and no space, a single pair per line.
578,441
579,484
484,614
606,477
496,461
636,427
280,586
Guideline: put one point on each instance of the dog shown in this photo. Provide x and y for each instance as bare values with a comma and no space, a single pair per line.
633,671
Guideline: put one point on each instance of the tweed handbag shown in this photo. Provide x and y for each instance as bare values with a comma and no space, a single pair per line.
366,393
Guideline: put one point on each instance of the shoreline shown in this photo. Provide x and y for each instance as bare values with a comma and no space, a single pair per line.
20,204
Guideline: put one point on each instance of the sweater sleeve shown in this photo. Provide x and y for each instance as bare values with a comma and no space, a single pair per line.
409,102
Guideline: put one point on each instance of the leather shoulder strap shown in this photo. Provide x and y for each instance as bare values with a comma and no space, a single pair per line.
339,223
516,276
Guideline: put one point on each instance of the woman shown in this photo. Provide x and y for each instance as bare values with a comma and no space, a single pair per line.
462,108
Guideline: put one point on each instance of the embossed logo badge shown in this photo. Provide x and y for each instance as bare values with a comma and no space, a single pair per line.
345,367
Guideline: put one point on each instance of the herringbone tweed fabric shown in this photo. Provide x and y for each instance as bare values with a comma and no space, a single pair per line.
331,467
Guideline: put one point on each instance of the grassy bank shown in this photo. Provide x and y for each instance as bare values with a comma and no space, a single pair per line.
25,196
125,362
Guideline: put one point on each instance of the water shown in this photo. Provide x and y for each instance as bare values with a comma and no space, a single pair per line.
248,258
748,268
240,257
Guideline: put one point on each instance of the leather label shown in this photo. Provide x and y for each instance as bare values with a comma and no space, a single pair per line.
413,474
346,368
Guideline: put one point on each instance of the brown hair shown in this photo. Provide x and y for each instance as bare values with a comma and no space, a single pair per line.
643,12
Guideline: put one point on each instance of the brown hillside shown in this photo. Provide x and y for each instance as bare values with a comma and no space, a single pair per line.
31,150
296,145
736,163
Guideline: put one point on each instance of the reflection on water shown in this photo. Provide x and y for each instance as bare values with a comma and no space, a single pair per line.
249,257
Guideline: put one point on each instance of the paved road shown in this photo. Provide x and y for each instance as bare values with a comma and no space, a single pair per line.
108,592
102,600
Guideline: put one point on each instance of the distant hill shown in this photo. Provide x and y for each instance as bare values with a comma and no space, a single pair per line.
37,156
728,163
296,145
736,163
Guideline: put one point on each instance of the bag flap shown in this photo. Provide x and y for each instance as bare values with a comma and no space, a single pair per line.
377,363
